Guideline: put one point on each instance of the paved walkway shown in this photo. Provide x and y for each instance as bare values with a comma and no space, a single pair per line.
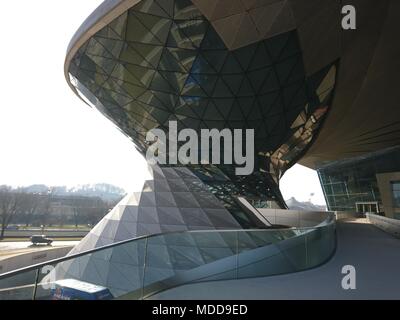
374,254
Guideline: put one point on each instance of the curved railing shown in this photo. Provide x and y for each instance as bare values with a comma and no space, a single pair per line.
147,265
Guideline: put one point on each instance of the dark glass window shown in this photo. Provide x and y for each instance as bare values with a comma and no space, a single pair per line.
396,193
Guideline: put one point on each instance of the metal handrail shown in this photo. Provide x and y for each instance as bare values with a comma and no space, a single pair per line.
80,254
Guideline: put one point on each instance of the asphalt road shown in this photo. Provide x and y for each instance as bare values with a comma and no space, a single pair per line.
17,245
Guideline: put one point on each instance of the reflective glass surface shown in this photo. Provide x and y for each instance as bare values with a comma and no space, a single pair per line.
354,180
162,60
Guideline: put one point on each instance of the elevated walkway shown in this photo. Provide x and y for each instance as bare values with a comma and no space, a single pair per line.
374,254
141,267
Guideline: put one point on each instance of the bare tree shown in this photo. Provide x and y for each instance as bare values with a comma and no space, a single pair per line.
45,207
10,201
29,205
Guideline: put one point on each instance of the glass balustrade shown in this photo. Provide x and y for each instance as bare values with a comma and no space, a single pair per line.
139,268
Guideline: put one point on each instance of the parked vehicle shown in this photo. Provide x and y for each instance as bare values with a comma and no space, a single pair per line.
41,239
12,227
72,289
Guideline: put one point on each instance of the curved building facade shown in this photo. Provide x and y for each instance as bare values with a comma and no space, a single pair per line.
284,68
162,61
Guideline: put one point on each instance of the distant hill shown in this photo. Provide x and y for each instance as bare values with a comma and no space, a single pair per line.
105,191
294,204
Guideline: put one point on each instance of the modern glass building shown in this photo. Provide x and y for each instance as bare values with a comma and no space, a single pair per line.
163,61
356,184
284,68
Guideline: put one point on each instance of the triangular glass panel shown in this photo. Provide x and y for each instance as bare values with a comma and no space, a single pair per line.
159,27
161,84
186,110
298,72
234,82
206,81
255,113
192,88
212,112
276,45
270,84
292,46
134,91
88,64
246,89
245,55
121,72
159,115
175,79
194,30
108,33
184,56
280,127
295,95
168,100
118,25
221,90
224,106
197,104
236,112
167,6
215,58
149,98
284,69
185,9
144,74
137,32
130,55
169,63
259,128
112,46
272,121
258,77
247,104
95,48
177,38
190,123
200,65
149,52
261,58
267,102
231,65
212,40
150,7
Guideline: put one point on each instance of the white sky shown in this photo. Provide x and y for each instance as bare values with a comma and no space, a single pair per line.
48,135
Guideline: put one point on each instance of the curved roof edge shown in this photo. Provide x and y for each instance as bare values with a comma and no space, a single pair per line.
106,12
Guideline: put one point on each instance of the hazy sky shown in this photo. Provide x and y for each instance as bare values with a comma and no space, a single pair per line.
48,135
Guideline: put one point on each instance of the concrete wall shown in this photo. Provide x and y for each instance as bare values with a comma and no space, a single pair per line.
388,225
31,258
340,215
295,218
